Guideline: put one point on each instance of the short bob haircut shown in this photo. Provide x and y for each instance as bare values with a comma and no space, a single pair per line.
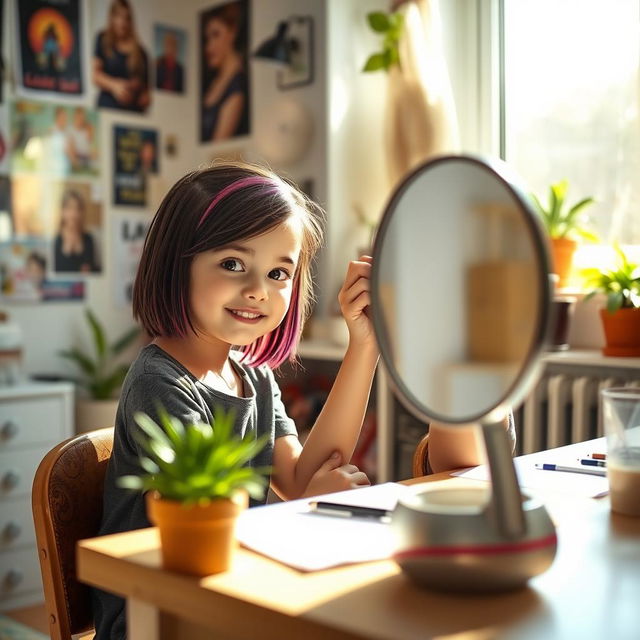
210,208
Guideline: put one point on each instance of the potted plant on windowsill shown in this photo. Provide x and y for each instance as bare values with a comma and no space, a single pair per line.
621,316
196,483
101,377
564,225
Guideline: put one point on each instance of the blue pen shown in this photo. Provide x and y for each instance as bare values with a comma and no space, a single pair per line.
593,463
594,471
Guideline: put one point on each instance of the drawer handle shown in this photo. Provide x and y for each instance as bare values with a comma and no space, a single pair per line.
11,531
9,430
10,480
13,578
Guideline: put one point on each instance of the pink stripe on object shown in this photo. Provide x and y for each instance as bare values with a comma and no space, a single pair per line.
479,549
230,188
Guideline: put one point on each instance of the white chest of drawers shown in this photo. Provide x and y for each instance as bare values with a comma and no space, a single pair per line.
33,418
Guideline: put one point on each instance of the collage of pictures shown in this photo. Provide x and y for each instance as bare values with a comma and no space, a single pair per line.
75,58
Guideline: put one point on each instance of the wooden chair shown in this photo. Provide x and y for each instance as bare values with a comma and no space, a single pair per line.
421,457
67,506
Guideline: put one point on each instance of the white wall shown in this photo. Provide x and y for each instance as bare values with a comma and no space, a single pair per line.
52,326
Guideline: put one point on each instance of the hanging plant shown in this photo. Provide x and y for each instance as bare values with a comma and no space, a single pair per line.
390,26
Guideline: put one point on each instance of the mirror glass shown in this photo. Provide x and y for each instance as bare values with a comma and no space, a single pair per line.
460,289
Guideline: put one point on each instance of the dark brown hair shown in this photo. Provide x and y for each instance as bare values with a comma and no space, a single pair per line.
210,208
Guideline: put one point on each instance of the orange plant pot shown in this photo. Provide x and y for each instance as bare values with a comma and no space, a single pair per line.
195,539
562,252
621,332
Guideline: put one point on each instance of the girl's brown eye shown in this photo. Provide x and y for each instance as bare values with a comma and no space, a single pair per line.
231,265
279,274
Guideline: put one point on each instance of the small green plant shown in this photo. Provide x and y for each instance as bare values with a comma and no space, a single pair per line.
198,462
562,221
621,285
390,26
100,376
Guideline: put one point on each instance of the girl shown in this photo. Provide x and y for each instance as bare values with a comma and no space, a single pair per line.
223,286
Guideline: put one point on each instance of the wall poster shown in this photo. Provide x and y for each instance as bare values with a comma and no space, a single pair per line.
135,156
51,48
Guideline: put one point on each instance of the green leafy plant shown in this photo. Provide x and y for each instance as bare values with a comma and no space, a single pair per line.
198,462
100,376
390,26
621,285
562,221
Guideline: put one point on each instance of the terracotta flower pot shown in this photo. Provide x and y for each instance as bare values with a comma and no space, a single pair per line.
622,332
562,251
199,540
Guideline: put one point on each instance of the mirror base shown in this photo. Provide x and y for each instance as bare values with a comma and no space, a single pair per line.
447,541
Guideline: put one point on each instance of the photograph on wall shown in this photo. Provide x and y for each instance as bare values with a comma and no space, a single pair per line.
24,275
299,71
67,215
224,81
4,138
170,58
50,48
129,232
120,60
135,157
6,226
77,228
54,139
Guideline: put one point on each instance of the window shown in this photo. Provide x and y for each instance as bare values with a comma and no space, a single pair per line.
570,104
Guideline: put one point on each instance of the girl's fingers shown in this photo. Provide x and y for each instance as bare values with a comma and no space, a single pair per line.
349,293
360,479
357,306
356,270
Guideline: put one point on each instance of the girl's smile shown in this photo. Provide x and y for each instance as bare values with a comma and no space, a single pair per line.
244,315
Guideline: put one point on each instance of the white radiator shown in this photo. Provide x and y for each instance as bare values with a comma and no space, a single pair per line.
564,408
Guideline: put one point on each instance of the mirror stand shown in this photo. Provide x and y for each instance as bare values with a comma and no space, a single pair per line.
506,499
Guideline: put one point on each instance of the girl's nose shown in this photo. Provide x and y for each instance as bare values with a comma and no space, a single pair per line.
255,289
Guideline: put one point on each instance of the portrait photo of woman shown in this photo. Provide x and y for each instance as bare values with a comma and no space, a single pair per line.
224,86
120,63
74,248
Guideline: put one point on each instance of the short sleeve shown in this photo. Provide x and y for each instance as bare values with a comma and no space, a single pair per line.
151,391
284,425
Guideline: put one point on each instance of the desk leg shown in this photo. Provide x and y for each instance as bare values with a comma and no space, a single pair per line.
143,620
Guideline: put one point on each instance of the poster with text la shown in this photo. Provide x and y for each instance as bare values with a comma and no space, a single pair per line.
135,156
51,48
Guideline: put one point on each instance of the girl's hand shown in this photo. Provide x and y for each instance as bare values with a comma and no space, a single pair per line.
335,476
355,298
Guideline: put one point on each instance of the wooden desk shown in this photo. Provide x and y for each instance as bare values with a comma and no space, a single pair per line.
592,591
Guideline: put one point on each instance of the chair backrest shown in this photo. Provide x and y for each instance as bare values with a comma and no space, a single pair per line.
67,506
421,458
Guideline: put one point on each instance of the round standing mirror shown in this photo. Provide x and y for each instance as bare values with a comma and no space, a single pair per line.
461,290
460,302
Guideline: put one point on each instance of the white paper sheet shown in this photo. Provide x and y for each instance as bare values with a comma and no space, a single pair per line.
290,533
589,486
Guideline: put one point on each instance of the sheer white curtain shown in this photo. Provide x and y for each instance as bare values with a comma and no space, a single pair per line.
421,117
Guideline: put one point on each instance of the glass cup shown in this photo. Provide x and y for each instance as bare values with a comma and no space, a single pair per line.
621,419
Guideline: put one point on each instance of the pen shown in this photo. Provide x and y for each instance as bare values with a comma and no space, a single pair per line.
599,456
593,463
558,467
348,511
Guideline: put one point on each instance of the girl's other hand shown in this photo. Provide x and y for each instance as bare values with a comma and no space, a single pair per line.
355,298
335,476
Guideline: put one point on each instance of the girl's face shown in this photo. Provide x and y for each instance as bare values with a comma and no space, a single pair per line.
218,42
121,22
71,216
242,291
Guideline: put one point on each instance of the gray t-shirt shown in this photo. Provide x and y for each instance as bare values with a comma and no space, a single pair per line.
156,376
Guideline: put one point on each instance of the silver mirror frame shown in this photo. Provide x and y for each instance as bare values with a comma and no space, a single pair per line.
531,365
